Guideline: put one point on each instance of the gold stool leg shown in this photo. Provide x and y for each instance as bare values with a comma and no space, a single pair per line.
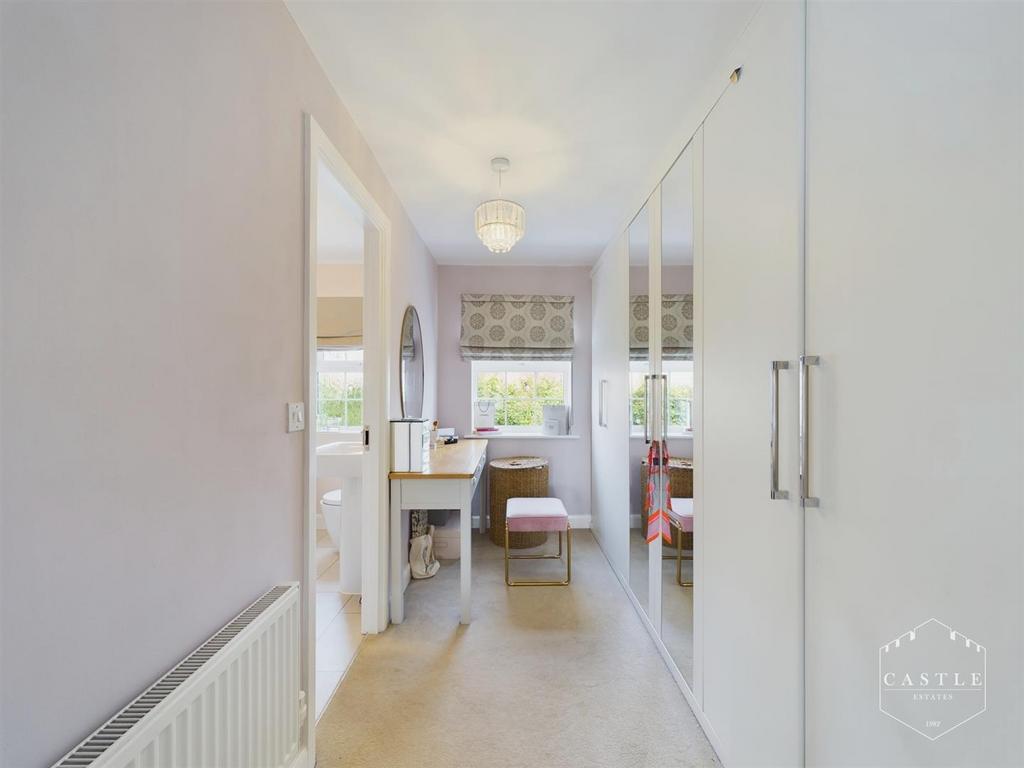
679,558
568,561
568,551
509,583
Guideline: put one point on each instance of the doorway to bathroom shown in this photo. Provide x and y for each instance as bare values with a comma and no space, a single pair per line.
347,376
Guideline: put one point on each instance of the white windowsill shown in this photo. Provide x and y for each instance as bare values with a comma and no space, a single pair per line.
687,436
519,436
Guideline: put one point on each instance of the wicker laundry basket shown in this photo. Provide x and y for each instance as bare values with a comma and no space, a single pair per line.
680,484
511,478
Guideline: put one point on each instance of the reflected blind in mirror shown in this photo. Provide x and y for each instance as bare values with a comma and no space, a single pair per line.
676,326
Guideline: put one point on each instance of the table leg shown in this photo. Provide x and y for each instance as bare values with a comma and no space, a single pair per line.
466,551
397,596
483,500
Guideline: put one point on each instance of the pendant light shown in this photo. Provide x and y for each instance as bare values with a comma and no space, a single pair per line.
500,223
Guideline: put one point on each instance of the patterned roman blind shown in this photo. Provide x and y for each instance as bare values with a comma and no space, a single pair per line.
676,327
516,327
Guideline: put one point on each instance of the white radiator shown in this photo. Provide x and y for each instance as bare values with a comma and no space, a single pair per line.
234,701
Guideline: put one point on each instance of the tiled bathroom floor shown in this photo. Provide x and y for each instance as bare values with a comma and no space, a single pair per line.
338,631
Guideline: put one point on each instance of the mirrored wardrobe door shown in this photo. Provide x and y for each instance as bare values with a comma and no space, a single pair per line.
677,371
658,484
640,393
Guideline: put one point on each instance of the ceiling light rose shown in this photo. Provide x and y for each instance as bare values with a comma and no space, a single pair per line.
500,224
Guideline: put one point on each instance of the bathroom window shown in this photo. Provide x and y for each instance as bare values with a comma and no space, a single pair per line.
518,390
680,396
339,390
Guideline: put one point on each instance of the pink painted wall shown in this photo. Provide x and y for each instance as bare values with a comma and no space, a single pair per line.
151,331
570,459
674,279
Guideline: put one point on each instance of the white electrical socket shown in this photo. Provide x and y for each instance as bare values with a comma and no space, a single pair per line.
296,417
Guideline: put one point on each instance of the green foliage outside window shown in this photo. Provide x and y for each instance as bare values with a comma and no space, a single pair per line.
339,402
680,398
520,397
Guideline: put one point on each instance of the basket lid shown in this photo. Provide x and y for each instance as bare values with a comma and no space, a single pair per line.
520,462
674,462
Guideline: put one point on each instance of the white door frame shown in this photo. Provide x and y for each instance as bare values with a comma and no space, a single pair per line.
376,398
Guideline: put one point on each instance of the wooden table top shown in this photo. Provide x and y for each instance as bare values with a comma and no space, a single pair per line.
449,462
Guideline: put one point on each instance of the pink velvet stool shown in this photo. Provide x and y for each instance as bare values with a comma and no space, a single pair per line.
534,515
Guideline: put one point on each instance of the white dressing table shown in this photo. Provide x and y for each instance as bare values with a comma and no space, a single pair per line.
448,482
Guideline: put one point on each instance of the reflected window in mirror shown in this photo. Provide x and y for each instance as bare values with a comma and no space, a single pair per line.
680,396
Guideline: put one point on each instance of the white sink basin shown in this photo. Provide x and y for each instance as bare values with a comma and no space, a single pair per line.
340,460
344,446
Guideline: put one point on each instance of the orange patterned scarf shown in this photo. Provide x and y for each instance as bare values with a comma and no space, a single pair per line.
659,492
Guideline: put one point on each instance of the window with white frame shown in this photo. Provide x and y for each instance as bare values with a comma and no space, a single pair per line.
518,390
339,390
680,395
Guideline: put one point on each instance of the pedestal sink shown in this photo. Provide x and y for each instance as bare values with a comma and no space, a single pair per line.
345,462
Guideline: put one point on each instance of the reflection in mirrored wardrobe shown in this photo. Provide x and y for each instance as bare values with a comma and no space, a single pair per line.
677,366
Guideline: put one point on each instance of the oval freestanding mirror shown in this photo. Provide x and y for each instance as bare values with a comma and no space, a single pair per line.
411,365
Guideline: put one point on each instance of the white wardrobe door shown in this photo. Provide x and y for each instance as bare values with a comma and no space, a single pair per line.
610,405
915,276
751,261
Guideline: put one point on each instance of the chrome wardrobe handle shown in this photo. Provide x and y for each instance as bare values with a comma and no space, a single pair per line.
773,421
648,411
806,361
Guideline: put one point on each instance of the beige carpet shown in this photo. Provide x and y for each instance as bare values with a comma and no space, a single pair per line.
676,602
543,677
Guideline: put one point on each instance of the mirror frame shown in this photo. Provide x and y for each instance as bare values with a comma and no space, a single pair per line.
411,315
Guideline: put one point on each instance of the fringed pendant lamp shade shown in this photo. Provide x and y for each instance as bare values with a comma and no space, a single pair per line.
500,224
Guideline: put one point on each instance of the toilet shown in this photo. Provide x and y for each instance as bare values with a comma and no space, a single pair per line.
344,530
330,508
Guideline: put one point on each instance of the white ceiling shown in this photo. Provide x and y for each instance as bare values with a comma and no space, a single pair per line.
584,98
